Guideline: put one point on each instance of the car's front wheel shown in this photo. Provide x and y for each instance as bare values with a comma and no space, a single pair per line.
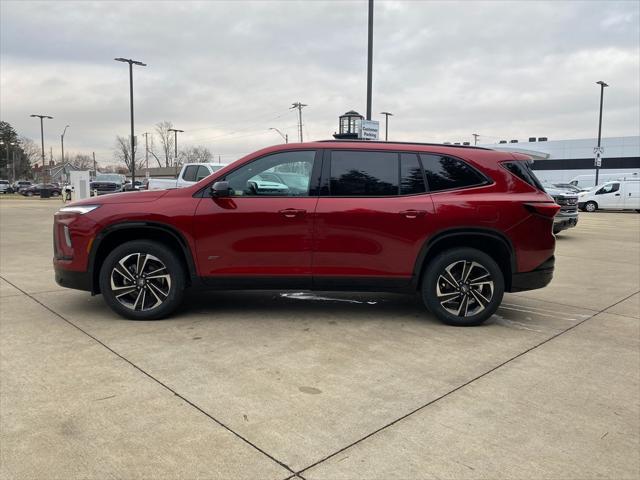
463,286
142,280
591,206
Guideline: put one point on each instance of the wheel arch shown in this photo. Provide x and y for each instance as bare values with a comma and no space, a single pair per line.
491,242
117,234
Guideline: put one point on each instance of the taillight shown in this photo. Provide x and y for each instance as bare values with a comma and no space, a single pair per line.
548,210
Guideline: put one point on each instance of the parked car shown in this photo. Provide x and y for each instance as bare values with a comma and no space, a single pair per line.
5,186
20,185
460,225
38,187
619,195
567,216
107,183
190,173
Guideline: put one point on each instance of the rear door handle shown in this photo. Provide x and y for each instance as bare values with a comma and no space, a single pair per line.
292,212
413,213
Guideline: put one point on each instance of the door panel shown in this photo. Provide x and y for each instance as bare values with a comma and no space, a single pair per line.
254,236
632,195
370,237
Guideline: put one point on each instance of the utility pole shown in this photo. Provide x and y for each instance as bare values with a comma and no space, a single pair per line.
299,106
369,60
475,138
599,148
42,117
133,140
146,149
175,144
62,142
386,124
95,169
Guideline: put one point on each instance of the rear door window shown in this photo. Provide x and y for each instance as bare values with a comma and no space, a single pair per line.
190,173
364,174
203,172
446,173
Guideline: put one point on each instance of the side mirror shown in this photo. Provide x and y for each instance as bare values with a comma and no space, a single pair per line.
221,189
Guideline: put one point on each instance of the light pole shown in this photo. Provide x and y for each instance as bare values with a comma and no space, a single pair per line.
599,151
42,117
386,124
133,141
369,59
175,144
475,138
285,137
62,141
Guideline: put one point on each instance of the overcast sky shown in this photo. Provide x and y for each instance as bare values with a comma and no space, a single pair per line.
227,71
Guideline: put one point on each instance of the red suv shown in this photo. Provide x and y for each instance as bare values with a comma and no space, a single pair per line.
459,225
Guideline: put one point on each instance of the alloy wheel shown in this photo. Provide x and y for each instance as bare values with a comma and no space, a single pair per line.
140,281
465,288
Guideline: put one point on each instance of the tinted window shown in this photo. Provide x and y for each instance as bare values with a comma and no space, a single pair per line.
203,172
444,173
411,178
190,173
609,188
281,174
523,171
367,174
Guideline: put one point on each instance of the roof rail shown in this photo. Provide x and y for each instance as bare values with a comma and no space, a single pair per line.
402,143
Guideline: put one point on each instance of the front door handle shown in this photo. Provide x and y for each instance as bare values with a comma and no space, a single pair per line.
292,212
413,213
617,194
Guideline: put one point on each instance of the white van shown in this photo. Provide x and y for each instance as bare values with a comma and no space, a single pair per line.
617,195
586,182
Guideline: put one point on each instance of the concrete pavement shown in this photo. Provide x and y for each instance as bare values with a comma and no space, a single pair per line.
265,384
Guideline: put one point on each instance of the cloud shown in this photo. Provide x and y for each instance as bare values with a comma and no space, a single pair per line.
227,71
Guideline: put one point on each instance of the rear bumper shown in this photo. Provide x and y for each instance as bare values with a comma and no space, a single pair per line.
72,279
562,222
538,278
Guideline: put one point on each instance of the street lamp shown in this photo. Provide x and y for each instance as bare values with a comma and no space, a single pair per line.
62,141
599,149
42,117
284,137
386,124
133,147
175,144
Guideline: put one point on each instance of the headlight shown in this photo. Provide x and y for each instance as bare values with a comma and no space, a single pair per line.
81,209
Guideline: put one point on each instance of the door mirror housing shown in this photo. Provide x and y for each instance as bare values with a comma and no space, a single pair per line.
221,189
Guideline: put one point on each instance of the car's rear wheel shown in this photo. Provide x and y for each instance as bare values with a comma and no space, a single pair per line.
142,280
463,286
591,206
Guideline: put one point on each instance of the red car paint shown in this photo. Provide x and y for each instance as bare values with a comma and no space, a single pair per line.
316,237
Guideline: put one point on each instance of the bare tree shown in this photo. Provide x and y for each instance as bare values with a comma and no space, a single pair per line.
122,153
30,150
195,154
166,141
82,161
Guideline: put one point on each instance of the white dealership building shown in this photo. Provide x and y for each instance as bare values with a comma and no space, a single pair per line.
561,161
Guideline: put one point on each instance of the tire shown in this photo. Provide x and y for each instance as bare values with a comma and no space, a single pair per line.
142,298
55,194
483,300
591,206
29,194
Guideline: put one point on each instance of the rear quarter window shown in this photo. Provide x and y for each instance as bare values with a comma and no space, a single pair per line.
446,173
522,170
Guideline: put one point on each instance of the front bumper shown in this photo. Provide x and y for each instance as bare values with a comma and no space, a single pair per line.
538,278
72,279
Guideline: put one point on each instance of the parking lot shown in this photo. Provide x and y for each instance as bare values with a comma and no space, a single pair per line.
326,386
